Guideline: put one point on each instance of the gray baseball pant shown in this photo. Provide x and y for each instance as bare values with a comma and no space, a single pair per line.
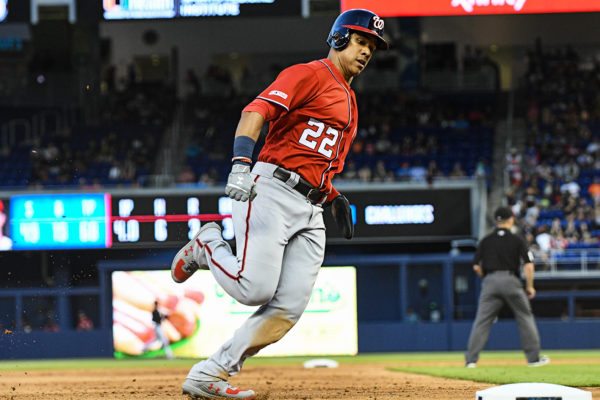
498,288
280,243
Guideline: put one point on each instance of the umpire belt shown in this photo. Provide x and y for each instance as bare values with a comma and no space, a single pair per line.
301,186
502,272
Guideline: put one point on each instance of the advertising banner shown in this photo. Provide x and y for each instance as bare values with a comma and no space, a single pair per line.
198,316
406,8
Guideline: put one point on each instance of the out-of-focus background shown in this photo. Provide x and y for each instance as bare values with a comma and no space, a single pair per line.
116,128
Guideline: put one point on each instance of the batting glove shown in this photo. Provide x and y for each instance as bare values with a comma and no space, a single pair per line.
240,185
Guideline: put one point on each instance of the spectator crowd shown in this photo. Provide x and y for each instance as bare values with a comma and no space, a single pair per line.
555,180
119,149
419,138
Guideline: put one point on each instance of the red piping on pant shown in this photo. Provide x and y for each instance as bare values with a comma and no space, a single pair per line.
235,278
247,229
239,275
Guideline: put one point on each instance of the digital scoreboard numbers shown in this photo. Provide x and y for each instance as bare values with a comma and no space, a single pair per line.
166,220
60,221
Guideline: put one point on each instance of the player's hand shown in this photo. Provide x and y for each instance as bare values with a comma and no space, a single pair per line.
342,214
240,185
530,292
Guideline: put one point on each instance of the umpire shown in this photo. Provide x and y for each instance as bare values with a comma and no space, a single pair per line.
498,260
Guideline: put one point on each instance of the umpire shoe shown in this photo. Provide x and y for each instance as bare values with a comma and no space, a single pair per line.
192,257
218,389
543,360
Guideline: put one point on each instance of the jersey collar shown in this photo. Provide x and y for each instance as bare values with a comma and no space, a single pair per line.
336,73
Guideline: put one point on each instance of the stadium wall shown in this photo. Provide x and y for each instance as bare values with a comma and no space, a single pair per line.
384,291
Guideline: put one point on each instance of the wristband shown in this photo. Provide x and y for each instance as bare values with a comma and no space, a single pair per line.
241,160
243,147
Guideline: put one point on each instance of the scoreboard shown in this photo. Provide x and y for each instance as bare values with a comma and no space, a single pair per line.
63,221
141,218
102,220
166,219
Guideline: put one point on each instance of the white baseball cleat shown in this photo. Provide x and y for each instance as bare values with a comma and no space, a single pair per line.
184,264
218,389
470,365
543,360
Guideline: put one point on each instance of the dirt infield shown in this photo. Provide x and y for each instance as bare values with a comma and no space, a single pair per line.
348,381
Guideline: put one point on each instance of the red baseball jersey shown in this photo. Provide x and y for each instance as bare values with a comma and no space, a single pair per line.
313,118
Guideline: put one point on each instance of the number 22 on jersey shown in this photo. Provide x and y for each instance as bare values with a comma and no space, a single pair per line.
310,137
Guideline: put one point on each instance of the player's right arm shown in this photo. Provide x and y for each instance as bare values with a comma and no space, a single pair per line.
251,123
529,268
240,185
291,87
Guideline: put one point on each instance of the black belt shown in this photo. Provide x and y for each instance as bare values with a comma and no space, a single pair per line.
503,271
303,187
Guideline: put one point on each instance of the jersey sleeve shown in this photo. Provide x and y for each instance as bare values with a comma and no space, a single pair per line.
525,254
269,111
293,87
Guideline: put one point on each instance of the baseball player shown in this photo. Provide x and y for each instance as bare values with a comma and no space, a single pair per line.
498,260
157,318
278,221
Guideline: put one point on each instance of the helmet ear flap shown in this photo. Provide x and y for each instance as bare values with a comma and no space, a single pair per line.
338,41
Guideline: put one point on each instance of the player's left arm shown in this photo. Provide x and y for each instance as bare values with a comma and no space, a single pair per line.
477,260
341,211
478,270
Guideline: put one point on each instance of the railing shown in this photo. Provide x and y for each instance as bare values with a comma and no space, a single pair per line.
567,263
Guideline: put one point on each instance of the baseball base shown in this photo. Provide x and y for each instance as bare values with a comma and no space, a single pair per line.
532,391
320,363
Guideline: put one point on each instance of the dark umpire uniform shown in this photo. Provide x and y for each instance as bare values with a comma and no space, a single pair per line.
498,260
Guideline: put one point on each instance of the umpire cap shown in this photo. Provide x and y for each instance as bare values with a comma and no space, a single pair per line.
502,214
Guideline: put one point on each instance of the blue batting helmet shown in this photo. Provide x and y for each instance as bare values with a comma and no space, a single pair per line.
356,20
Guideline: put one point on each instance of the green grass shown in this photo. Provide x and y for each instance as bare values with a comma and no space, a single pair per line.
579,373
